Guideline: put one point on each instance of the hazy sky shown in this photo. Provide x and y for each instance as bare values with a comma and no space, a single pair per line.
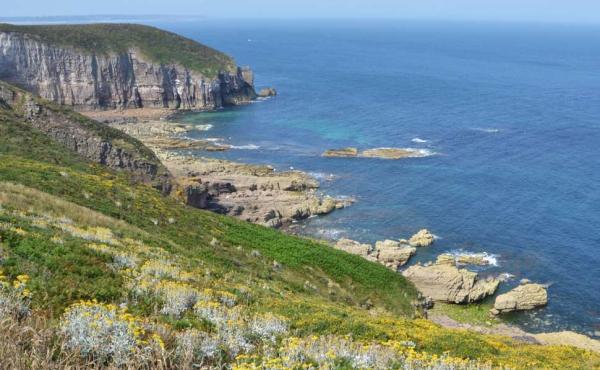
517,10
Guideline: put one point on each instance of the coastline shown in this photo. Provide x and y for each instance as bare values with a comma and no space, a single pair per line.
255,193
261,195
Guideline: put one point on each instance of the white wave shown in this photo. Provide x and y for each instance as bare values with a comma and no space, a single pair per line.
419,140
490,259
505,276
203,127
489,130
331,234
214,139
322,176
245,147
420,153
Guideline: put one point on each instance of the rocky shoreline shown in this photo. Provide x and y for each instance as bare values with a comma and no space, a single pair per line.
254,193
262,195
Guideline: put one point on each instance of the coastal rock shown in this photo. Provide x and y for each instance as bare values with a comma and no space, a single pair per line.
128,79
392,254
197,195
446,283
267,92
354,247
423,238
478,259
391,153
342,153
523,297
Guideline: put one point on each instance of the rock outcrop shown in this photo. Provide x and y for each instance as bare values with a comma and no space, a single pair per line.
393,254
423,238
523,297
382,153
88,138
343,152
389,253
445,283
478,259
129,79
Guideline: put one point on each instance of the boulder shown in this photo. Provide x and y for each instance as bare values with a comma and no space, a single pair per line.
354,247
392,254
267,92
423,238
523,297
446,283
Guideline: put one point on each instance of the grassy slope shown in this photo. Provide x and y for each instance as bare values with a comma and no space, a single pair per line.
90,195
158,45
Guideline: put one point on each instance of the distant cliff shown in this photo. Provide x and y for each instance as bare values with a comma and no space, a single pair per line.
94,67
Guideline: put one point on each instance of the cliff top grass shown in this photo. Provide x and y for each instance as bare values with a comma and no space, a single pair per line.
158,45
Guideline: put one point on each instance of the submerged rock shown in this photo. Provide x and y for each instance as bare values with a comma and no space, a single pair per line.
392,153
523,297
423,238
445,283
344,152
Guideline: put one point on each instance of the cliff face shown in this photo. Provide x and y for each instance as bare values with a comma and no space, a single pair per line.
86,137
89,81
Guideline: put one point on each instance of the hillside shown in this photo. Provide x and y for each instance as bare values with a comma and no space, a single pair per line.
97,268
116,66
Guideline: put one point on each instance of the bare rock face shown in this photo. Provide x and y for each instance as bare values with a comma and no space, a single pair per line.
88,81
423,238
478,259
445,283
569,338
523,297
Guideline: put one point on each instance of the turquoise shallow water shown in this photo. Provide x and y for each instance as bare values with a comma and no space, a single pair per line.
511,112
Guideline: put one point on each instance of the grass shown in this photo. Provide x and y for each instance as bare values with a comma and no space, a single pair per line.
157,45
63,222
476,313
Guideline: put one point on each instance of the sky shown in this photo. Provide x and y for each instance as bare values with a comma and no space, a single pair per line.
568,11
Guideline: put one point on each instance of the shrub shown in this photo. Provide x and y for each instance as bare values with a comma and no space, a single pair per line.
105,333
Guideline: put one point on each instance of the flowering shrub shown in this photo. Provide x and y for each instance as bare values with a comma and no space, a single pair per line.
105,332
14,297
331,352
268,327
165,269
195,347
177,297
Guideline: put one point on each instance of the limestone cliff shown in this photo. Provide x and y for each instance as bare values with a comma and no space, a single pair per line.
127,76
86,137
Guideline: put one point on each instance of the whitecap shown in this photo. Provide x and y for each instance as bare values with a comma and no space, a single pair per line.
214,139
322,176
490,259
490,130
419,140
203,127
245,147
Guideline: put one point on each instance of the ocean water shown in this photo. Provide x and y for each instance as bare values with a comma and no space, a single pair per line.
510,114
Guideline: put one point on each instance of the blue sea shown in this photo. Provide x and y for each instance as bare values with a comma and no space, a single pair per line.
509,113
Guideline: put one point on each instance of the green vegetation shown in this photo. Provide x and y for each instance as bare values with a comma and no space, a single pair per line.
157,45
199,284
475,313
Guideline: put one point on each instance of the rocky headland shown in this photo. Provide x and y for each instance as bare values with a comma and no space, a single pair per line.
255,193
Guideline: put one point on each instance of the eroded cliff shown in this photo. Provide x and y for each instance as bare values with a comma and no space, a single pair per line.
116,76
